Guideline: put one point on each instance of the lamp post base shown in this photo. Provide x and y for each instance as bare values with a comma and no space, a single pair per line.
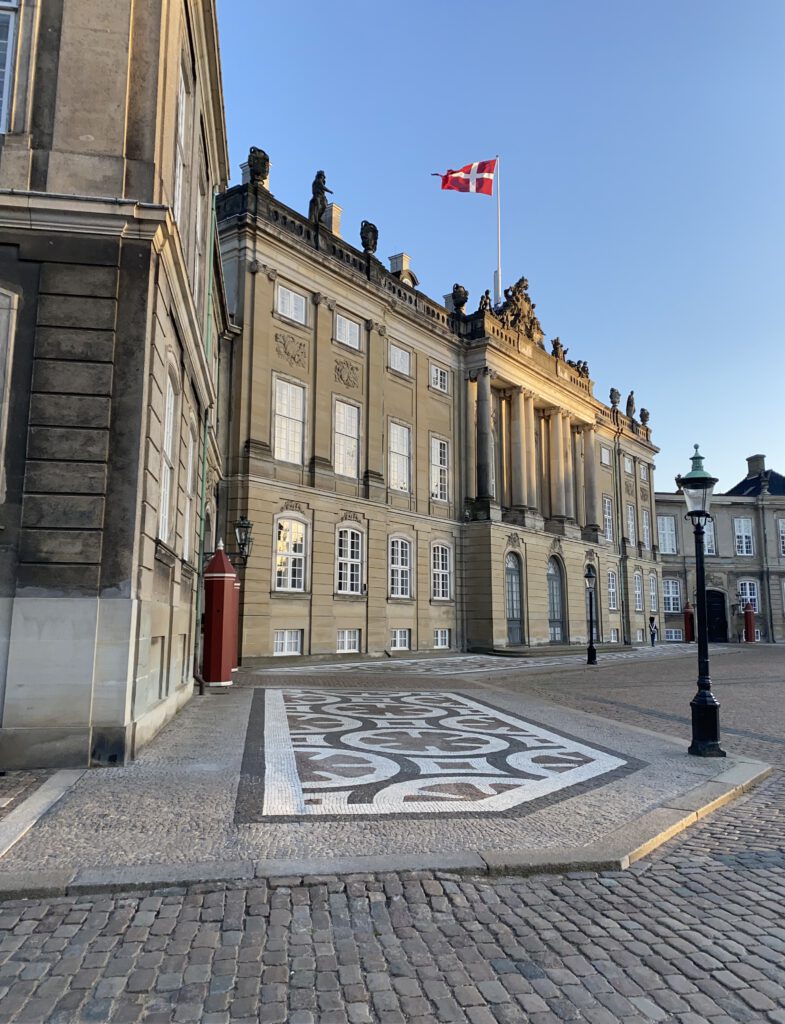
591,656
705,725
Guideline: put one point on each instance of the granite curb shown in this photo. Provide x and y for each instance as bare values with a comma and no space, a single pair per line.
615,852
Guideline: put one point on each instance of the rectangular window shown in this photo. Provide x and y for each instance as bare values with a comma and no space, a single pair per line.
287,642
179,152
350,565
628,466
400,568
399,456
291,304
644,472
666,531
671,596
652,593
189,496
639,635
613,592
673,635
440,465
347,439
638,585
7,32
709,542
439,379
607,517
441,639
781,525
632,535
167,464
614,636
758,635
399,640
290,555
400,360
288,425
605,455
747,591
440,572
347,331
348,641
742,531
646,529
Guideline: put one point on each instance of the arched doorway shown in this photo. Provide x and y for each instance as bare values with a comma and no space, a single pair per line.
716,617
556,622
512,599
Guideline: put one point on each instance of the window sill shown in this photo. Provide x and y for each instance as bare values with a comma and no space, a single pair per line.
291,323
399,373
165,554
439,392
442,600
401,600
349,597
349,348
289,595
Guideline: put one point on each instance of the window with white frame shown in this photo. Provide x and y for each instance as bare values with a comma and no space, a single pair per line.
8,16
287,641
644,472
399,457
614,635
632,533
666,531
349,559
639,635
637,583
347,331
671,595
646,515
747,591
709,542
440,380
167,464
400,359
347,439
758,636
347,641
190,467
613,591
400,567
628,466
291,304
781,528
199,233
652,593
605,455
289,555
607,517
742,531
8,308
440,572
289,421
180,149
441,639
673,635
440,468
400,639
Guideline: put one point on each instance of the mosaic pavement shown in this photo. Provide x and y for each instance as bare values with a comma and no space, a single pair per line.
326,753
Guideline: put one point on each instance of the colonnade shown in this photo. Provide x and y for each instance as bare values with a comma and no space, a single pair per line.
564,489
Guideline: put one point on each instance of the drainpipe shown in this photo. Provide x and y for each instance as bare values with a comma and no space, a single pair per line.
766,570
208,338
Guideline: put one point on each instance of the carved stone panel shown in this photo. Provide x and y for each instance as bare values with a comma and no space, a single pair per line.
293,350
645,493
347,373
513,540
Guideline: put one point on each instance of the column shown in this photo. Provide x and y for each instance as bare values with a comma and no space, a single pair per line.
531,450
590,464
518,453
503,459
484,435
580,479
470,450
569,474
376,362
558,500
322,381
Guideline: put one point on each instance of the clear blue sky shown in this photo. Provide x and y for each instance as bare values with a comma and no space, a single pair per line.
643,188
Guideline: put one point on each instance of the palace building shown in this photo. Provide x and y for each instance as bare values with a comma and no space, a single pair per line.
419,477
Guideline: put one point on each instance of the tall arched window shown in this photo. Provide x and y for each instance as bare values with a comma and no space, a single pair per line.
349,561
400,567
290,551
512,598
556,624
613,591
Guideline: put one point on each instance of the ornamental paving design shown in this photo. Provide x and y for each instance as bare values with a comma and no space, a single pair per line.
313,753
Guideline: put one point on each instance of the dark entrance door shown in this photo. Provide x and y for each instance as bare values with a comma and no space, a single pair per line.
716,617
512,579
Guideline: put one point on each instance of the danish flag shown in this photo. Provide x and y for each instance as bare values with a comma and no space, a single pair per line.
476,177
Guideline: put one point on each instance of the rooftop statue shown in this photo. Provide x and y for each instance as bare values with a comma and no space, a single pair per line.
369,236
318,202
558,350
615,398
631,404
460,297
486,306
258,166
644,416
517,311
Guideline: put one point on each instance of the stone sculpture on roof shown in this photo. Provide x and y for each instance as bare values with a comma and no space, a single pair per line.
517,312
318,203
258,165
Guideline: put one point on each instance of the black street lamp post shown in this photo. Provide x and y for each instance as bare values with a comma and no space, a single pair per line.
591,579
697,487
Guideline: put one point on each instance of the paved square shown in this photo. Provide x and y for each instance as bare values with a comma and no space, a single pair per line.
315,753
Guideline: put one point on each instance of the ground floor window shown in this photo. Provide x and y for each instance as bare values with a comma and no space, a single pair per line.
348,641
400,640
639,635
673,634
287,641
614,636
441,639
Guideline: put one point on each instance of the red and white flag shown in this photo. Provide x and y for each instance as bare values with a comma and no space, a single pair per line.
476,177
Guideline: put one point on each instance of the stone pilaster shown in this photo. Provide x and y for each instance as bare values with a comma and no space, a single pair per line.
558,500
374,476
518,469
580,478
531,451
590,463
569,474
470,450
321,459
484,436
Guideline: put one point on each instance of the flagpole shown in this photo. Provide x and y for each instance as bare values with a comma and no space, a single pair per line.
497,296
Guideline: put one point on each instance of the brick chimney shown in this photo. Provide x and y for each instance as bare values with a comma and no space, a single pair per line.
756,464
331,218
399,267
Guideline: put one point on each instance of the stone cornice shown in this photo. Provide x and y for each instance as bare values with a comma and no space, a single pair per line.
82,215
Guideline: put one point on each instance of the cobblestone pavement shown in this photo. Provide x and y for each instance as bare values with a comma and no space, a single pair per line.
18,786
693,935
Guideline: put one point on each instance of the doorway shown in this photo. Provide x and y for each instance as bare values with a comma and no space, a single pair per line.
512,595
716,617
